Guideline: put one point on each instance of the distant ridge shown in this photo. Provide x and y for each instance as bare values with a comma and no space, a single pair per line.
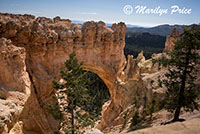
127,25
162,30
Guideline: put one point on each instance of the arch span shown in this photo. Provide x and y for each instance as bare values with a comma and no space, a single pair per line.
48,43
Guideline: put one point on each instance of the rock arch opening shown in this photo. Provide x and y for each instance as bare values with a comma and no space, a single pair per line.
98,92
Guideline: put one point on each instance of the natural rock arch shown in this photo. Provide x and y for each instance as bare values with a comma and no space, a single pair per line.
48,44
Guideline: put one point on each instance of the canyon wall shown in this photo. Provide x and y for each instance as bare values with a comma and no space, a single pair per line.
14,84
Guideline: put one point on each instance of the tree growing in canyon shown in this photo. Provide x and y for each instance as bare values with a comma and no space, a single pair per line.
98,93
182,62
74,86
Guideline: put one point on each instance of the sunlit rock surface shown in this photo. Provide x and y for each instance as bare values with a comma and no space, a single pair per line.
33,50
45,44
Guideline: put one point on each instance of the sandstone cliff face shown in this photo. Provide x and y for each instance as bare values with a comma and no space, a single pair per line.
14,84
42,46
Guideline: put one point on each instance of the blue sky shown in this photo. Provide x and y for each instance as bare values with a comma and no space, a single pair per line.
110,11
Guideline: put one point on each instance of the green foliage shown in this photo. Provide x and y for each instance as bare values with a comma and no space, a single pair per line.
74,85
182,91
145,105
136,119
83,120
136,99
54,110
139,117
84,90
151,108
98,93
142,118
137,42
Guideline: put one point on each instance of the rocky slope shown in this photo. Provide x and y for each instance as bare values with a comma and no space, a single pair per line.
186,127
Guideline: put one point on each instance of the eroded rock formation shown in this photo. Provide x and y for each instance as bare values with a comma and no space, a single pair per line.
43,45
138,66
14,84
33,50
174,36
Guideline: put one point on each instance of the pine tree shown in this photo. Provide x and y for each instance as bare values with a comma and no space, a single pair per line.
182,91
74,86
